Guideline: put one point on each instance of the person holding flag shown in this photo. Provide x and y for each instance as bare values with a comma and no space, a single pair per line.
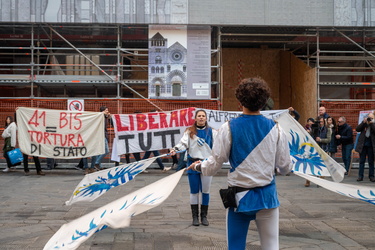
254,145
198,141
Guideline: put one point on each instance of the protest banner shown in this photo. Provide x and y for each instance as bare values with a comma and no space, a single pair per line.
161,130
60,134
116,214
150,131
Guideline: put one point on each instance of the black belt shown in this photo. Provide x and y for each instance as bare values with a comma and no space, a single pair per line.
194,159
240,189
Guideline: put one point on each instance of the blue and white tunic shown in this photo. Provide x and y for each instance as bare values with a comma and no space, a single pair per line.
199,147
254,145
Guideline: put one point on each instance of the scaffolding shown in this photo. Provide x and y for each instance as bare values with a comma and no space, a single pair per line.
111,61
54,61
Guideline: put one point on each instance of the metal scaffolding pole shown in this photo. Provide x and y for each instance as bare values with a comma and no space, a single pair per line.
118,61
32,63
356,44
101,70
317,68
220,70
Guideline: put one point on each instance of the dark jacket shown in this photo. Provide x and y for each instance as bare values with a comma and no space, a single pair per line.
362,137
296,115
346,133
107,121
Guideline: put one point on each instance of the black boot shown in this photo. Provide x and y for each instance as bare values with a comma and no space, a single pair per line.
194,211
204,209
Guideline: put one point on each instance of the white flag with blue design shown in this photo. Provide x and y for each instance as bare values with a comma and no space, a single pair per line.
306,155
116,214
94,185
362,193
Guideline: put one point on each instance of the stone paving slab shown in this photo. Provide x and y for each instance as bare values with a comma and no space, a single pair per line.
32,210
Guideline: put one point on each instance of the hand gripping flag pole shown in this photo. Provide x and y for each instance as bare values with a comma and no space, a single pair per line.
93,185
116,214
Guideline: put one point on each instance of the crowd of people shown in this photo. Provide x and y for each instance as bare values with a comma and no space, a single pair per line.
330,135
256,148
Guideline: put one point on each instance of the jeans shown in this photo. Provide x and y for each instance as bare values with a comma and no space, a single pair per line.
366,151
26,163
97,159
181,162
50,163
137,157
347,155
85,163
158,160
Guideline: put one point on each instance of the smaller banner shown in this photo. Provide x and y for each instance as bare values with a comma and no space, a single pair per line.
116,214
150,131
353,191
60,134
96,184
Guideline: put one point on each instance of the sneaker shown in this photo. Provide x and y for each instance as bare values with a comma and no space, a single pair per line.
6,170
145,171
166,169
40,173
89,170
78,168
174,166
97,167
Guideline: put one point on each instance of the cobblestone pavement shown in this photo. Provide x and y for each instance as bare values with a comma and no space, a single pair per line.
32,210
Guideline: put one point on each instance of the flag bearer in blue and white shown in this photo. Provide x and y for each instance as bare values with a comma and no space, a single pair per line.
198,141
254,146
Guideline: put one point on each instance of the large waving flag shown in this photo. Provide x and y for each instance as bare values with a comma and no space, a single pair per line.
96,184
353,191
116,214
306,155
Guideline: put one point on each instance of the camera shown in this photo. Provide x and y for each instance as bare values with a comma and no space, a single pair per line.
315,129
369,119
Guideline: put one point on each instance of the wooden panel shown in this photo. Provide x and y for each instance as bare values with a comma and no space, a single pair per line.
139,72
243,63
285,90
304,89
70,61
292,82
96,60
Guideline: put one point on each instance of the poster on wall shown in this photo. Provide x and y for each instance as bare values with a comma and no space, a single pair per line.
179,62
76,105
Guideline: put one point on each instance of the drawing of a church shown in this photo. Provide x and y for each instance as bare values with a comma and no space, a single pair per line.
167,69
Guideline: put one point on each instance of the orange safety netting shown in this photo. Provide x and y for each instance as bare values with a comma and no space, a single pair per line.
115,106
